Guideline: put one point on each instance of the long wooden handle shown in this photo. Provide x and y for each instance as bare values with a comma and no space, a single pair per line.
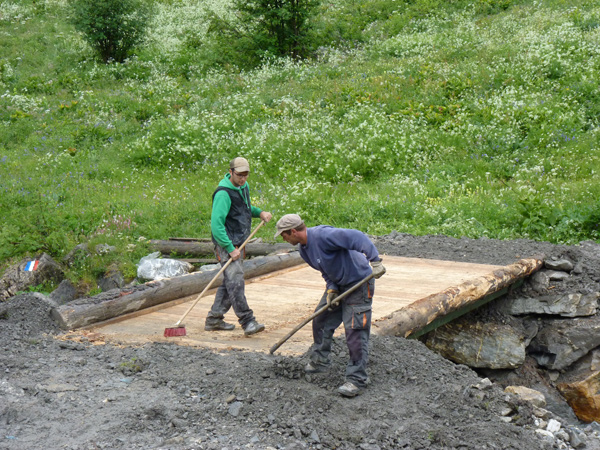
336,301
262,222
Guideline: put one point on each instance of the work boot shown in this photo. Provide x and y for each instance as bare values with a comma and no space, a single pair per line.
221,325
349,389
253,327
311,367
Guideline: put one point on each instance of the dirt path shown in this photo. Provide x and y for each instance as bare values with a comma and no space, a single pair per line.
56,393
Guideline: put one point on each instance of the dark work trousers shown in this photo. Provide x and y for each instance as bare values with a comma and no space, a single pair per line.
355,313
231,293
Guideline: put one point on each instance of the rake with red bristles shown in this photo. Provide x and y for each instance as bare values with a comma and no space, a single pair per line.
179,329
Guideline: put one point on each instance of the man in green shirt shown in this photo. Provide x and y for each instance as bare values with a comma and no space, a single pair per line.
231,224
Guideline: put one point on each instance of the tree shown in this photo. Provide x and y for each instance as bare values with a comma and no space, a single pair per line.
111,27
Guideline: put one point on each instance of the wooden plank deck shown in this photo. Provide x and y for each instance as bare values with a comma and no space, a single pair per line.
281,300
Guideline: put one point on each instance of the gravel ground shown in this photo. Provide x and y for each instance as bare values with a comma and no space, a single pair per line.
60,394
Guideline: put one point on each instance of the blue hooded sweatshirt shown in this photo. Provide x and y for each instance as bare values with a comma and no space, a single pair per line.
341,255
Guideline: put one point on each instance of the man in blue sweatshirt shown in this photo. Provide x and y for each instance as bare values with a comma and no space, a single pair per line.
344,257
231,223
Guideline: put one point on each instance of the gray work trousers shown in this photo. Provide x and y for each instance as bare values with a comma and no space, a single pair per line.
355,313
231,293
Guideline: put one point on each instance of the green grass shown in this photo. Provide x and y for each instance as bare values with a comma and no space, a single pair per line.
461,118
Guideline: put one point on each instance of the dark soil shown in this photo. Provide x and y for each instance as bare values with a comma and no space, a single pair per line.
60,394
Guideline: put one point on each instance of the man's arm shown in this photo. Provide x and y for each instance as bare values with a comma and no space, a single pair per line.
220,209
255,211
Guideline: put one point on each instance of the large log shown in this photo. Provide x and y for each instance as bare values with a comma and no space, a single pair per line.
116,302
421,313
199,248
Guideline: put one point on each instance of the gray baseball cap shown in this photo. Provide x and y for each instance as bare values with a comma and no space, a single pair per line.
288,222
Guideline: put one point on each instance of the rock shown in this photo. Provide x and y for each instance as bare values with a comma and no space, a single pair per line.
583,397
540,282
545,436
481,345
532,396
541,413
561,342
234,409
567,305
555,275
563,435
69,345
103,249
79,253
561,264
553,375
553,426
314,437
112,279
484,384
29,272
576,438
179,423
64,293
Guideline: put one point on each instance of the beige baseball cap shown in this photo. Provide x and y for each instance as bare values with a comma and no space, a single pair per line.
288,222
239,164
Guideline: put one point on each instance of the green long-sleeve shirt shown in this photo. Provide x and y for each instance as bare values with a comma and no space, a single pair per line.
220,209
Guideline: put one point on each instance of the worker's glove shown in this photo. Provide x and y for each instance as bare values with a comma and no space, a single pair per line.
331,295
378,269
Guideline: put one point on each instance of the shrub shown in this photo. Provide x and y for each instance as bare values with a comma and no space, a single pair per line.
111,27
265,28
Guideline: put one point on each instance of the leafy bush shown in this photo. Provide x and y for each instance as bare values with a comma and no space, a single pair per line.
265,28
112,27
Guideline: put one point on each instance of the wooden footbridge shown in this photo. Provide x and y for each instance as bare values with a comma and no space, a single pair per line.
415,295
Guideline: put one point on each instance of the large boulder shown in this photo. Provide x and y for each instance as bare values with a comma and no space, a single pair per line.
64,293
561,342
579,385
583,397
112,279
29,272
479,344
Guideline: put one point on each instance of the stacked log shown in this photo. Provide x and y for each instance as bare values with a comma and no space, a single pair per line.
116,302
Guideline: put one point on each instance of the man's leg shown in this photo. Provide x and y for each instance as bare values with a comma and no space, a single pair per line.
231,293
357,323
323,328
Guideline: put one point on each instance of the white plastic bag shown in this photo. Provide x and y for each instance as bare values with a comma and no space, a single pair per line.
152,267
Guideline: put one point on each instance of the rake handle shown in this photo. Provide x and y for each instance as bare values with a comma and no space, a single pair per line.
336,301
262,222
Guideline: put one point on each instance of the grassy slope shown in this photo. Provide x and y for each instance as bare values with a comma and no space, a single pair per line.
477,120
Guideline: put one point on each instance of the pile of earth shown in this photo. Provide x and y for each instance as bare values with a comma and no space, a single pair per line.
56,393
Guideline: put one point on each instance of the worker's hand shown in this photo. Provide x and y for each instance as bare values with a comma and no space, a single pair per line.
235,254
331,295
378,269
266,216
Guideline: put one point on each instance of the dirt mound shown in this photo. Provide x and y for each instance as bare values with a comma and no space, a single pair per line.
57,393
60,395
28,315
